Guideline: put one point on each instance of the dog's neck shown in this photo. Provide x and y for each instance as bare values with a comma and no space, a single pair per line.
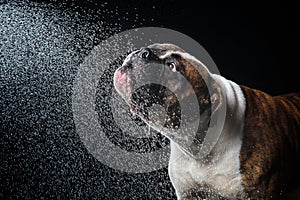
232,131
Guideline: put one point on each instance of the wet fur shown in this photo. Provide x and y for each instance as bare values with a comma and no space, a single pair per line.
267,140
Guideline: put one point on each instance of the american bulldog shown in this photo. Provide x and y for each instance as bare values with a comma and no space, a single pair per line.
257,153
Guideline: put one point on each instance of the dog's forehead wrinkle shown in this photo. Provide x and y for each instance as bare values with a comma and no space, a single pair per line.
166,54
188,57
165,46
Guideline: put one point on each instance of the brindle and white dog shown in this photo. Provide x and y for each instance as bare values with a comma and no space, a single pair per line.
257,154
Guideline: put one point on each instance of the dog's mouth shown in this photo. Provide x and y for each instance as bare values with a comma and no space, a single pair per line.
153,103
156,105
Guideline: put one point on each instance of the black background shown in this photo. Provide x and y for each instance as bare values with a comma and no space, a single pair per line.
255,45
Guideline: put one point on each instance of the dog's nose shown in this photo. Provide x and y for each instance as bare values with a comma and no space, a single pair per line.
144,53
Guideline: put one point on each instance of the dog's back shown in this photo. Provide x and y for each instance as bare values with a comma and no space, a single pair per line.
270,151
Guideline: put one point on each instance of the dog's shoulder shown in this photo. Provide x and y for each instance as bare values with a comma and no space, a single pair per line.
279,115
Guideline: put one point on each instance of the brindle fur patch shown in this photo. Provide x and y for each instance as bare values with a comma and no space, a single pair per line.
270,151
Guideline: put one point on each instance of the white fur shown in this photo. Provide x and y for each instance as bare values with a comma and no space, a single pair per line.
222,173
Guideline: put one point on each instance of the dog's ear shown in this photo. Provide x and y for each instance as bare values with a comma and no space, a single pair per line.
216,96
213,89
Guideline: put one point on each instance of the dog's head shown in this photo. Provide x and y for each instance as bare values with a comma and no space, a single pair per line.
166,75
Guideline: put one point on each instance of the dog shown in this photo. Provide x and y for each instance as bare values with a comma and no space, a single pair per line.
257,153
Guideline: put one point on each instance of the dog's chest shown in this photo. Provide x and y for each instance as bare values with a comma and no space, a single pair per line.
222,177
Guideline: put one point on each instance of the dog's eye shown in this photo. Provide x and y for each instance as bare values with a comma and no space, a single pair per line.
172,66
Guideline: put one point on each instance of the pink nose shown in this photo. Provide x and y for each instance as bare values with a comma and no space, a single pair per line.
117,76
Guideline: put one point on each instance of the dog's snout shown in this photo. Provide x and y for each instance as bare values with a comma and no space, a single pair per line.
137,57
126,65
